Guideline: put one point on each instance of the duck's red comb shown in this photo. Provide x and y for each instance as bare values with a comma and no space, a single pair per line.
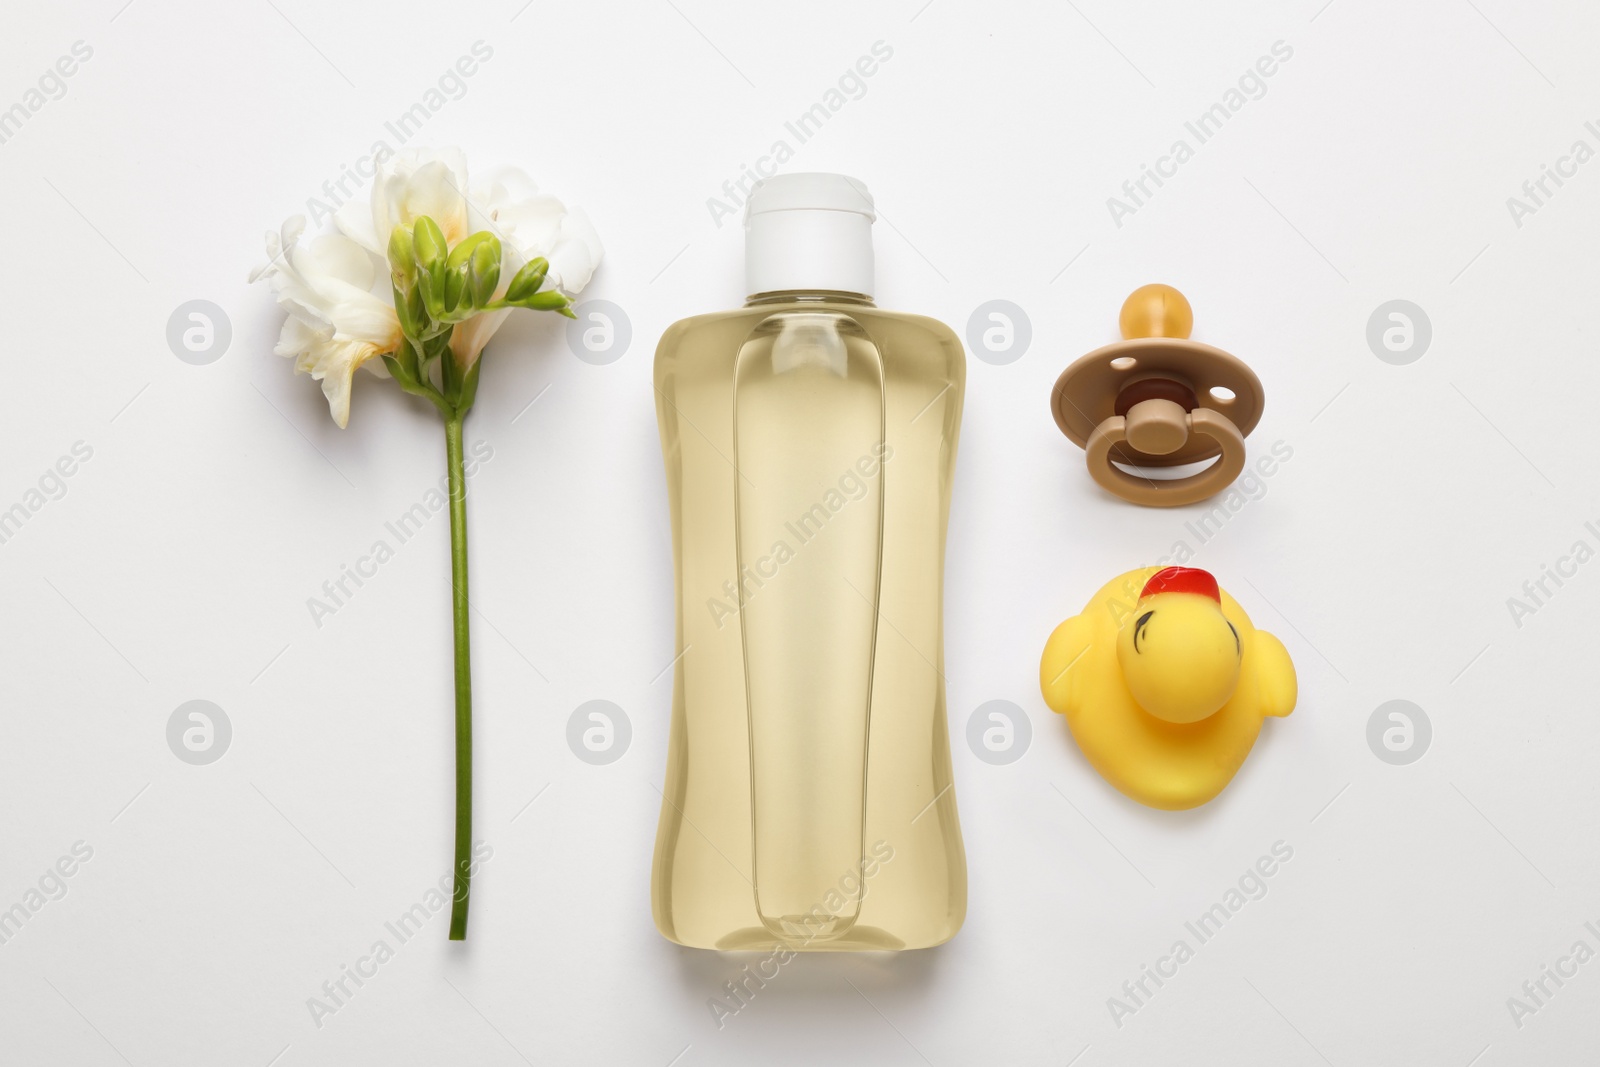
1182,580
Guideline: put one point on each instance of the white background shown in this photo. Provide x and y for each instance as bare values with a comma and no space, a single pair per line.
218,499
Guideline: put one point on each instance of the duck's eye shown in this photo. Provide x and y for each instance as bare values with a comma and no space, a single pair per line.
1138,628
1238,646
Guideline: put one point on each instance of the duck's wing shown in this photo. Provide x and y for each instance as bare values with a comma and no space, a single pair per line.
1276,686
1063,657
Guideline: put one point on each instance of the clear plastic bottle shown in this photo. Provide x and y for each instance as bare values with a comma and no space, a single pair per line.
810,441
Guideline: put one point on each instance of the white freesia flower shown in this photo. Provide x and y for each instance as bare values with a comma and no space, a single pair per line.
508,203
529,224
336,322
336,287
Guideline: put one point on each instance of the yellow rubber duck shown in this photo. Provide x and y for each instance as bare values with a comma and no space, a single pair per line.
1164,683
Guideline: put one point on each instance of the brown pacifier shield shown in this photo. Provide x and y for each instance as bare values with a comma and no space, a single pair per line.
1088,392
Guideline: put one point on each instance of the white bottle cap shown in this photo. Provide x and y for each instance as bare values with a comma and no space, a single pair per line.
808,232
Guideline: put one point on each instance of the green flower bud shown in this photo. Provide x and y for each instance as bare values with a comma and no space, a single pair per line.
484,271
463,251
527,281
417,310
411,324
458,268
549,300
429,246
430,251
455,284
402,259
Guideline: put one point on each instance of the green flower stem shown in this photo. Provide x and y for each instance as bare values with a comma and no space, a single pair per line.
459,605
435,288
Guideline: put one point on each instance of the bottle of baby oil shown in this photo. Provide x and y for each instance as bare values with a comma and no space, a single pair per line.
810,440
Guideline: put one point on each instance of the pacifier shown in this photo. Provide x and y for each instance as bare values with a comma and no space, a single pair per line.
1158,399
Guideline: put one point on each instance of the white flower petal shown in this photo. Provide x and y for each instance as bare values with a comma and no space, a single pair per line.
338,258
578,253
409,184
335,324
332,362
371,321
436,191
355,220
336,366
468,338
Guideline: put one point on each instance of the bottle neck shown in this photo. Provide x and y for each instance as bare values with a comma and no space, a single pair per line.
808,296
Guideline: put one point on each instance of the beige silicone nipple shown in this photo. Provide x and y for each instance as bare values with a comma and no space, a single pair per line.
1158,399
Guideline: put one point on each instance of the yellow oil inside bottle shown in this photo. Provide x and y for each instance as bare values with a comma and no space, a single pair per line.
810,441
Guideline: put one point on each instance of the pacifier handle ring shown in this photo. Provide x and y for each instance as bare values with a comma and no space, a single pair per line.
1173,492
